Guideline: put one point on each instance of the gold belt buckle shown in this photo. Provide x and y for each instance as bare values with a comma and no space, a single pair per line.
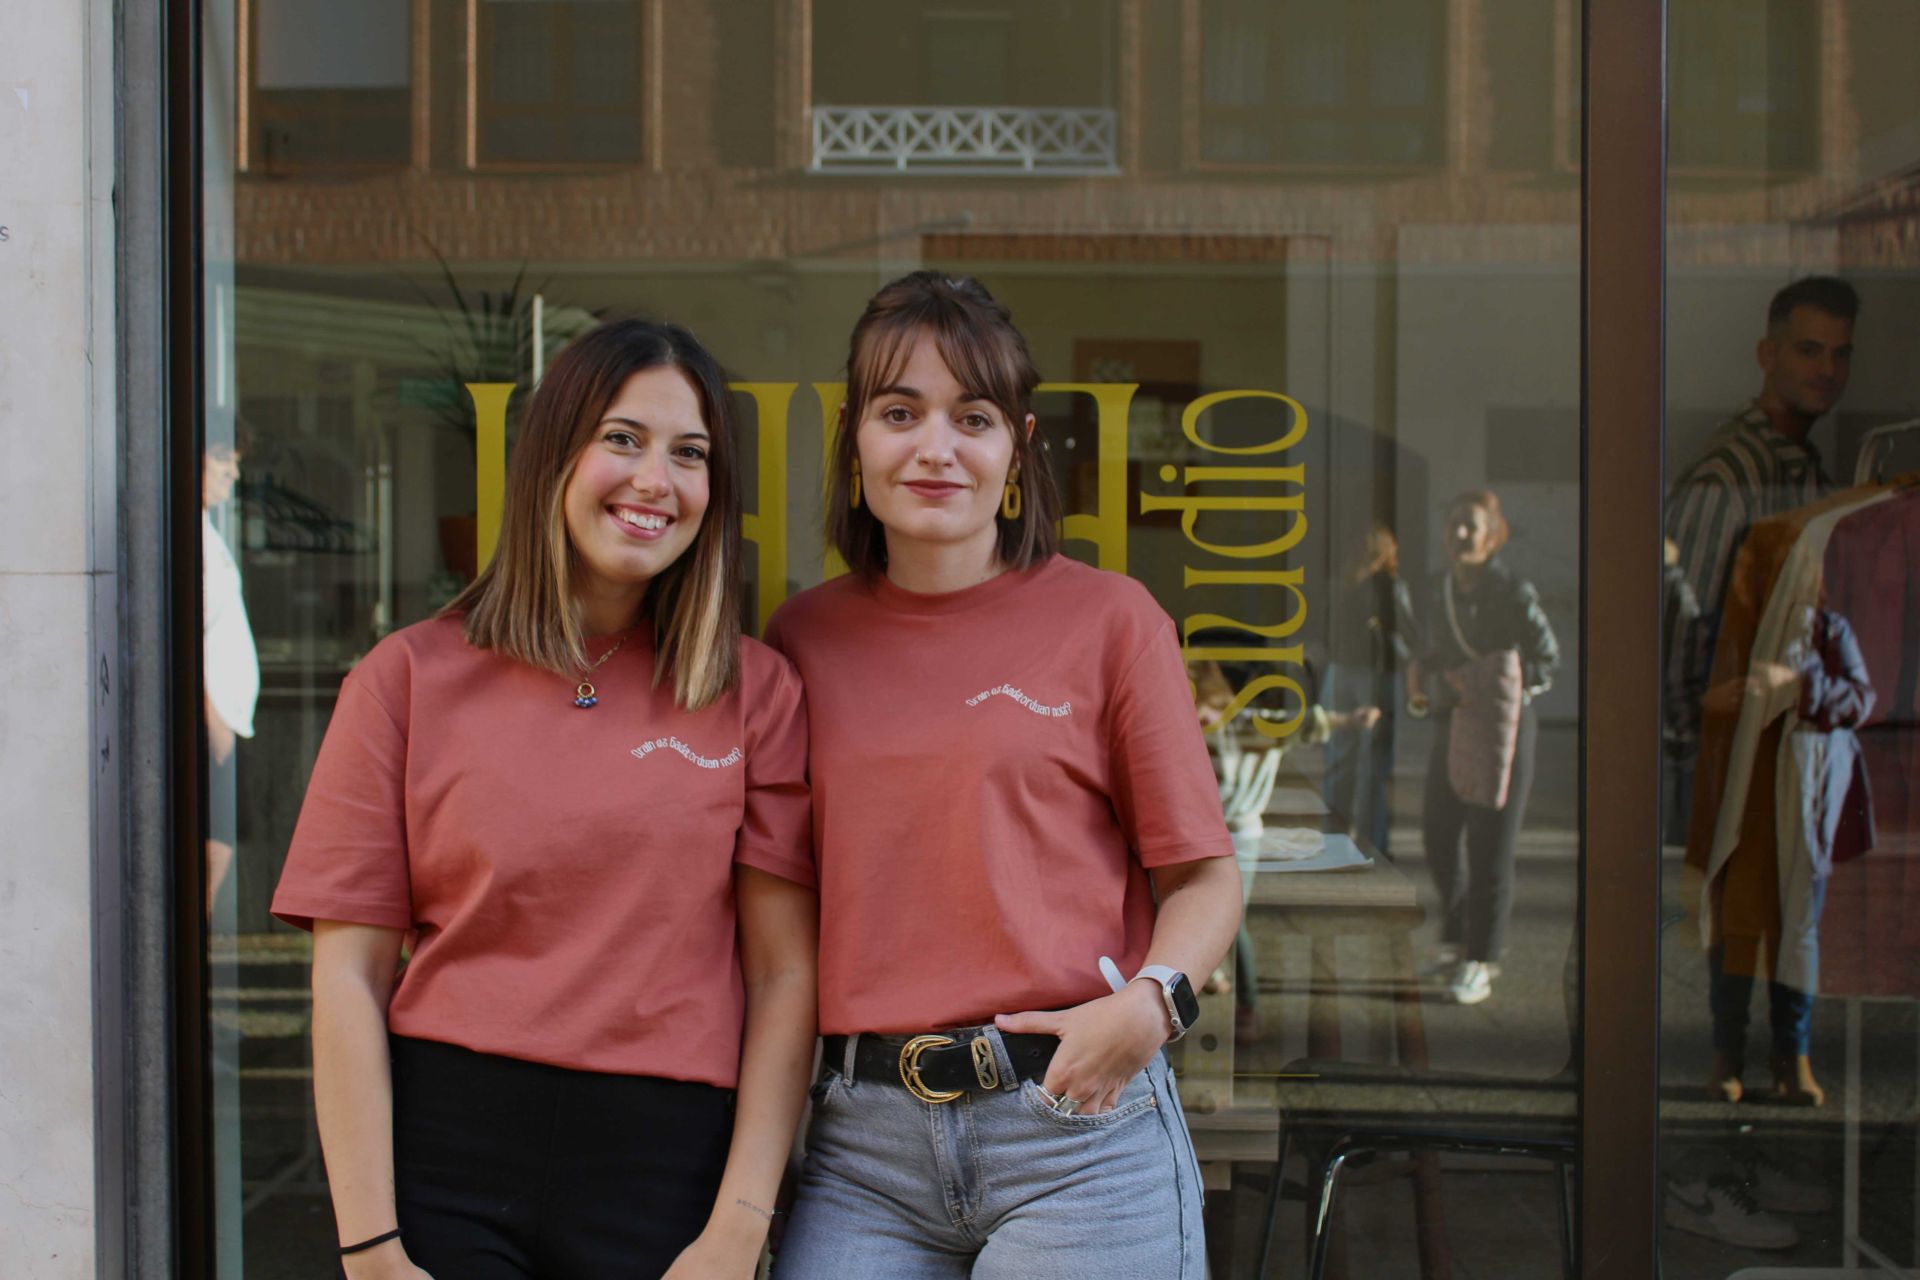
985,1069
910,1069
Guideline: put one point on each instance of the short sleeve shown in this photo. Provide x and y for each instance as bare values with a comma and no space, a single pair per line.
348,859
1163,787
776,833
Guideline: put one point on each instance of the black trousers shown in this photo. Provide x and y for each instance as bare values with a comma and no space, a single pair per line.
506,1169
1475,883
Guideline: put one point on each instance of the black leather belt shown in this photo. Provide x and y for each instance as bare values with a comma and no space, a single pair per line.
940,1068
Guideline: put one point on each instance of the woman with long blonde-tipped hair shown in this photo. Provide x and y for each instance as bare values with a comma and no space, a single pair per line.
570,795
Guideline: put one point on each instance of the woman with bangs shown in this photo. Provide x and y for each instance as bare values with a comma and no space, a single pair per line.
567,797
1019,837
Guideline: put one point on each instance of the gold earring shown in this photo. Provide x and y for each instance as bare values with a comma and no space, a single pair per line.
1010,500
853,492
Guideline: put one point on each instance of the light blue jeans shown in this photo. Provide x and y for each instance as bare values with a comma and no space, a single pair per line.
994,1186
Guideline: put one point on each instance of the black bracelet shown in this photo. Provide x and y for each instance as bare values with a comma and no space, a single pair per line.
364,1245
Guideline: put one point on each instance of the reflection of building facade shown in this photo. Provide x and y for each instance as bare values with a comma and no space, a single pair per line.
1366,216
1417,111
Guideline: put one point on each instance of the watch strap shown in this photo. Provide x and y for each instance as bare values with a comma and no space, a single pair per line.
1164,977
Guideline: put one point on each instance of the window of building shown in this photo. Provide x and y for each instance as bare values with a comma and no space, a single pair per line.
946,53
967,56
1744,93
1534,98
329,83
1318,85
559,82
959,86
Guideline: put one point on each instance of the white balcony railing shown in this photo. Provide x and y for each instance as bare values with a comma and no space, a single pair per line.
1037,140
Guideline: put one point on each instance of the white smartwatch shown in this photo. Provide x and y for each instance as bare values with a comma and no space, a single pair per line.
1183,1007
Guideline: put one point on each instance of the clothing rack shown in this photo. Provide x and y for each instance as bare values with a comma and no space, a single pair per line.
1876,447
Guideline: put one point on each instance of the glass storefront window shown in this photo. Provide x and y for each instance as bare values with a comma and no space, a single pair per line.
1788,990
1304,284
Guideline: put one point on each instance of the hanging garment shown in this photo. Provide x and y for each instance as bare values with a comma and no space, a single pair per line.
1749,588
1751,897
1823,807
1870,944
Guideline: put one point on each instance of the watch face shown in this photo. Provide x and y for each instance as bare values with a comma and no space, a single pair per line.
1185,1003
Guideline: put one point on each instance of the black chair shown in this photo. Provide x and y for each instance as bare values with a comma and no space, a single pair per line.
1338,1112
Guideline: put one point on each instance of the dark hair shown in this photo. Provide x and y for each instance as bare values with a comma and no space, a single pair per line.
985,353
1488,501
238,445
522,602
1824,293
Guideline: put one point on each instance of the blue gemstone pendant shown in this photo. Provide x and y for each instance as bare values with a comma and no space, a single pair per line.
586,696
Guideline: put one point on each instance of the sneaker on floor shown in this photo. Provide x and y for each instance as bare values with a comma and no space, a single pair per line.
1721,1208
1780,1189
1472,982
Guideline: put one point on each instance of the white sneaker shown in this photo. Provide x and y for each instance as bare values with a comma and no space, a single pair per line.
1777,1190
1721,1208
1472,982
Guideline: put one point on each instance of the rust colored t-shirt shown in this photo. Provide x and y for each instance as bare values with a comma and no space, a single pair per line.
566,875
993,771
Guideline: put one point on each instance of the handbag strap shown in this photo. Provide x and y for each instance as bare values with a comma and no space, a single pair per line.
1453,618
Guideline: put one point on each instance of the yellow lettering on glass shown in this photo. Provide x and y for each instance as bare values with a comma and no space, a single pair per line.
1290,505
489,462
1190,422
1106,526
766,526
833,397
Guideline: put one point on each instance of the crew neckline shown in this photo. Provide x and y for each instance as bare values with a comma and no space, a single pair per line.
891,595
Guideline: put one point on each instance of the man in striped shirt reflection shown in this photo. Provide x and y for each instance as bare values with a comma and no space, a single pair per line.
1758,464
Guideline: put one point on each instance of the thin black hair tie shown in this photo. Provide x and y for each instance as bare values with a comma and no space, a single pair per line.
364,1245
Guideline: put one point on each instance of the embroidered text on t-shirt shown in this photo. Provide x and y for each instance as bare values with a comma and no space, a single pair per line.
652,745
1007,690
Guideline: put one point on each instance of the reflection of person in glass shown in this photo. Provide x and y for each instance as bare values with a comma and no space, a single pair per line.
567,795
1766,918
1489,652
1759,463
1372,639
230,664
1007,770
1247,769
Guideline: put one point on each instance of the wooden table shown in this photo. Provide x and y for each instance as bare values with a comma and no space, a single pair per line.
1377,903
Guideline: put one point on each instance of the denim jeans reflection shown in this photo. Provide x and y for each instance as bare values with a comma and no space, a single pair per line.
994,1186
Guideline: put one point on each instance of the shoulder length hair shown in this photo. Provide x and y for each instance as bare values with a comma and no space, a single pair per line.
522,603
986,354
